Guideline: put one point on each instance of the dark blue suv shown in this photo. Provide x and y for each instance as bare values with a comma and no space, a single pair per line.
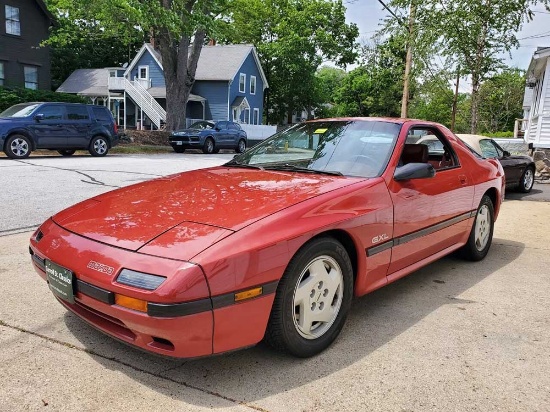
64,127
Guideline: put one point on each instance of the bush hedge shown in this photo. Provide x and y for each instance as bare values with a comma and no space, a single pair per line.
10,96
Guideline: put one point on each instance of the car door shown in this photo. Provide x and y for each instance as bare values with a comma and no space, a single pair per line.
512,170
221,134
80,123
49,127
233,134
430,214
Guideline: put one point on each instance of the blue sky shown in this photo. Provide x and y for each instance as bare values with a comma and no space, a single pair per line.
367,14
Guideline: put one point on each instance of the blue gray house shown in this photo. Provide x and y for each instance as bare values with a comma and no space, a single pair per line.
229,85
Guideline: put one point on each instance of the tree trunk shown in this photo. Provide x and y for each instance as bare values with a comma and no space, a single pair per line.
180,65
475,102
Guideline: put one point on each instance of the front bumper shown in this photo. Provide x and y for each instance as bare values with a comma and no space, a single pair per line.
180,316
186,142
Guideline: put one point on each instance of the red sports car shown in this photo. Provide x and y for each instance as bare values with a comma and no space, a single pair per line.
274,244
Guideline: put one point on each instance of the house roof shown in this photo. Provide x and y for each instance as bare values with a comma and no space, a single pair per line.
45,10
216,63
538,62
88,82
94,83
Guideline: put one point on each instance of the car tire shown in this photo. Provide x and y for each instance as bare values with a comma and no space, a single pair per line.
481,234
216,150
18,147
179,149
99,146
209,146
527,180
318,281
66,152
241,146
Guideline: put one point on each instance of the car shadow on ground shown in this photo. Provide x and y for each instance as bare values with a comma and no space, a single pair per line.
536,194
260,372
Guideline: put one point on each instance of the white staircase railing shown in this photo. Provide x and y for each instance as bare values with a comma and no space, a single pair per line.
141,97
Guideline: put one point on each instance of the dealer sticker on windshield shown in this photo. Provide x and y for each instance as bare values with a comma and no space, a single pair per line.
320,131
60,281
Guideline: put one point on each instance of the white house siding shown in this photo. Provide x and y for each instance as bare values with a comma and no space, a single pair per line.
539,121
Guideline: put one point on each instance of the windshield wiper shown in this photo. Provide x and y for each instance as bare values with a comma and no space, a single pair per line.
294,168
234,163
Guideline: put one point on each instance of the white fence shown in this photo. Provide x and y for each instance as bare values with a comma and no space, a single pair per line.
258,132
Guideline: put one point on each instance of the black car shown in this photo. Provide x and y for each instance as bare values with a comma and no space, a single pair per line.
518,169
210,137
64,127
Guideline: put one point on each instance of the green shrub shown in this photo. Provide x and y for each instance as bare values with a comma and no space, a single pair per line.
499,134
10,96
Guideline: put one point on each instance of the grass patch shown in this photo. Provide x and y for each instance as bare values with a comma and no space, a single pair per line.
136,149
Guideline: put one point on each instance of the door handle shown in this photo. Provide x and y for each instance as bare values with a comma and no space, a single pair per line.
463,179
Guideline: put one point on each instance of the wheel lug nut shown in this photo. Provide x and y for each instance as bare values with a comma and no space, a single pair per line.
313,306
312,293
321,305
325,293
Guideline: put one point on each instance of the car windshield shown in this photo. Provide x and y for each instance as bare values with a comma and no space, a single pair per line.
348,147
19,110
201,125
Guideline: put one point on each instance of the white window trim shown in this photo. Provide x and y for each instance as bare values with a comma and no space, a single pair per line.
251,81
25,78
243,77
256,120
18,21
2,73
246,116
146,72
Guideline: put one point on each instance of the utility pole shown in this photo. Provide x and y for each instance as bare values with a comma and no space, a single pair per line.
408,62
455,99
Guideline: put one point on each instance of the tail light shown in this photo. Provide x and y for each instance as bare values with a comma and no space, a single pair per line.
115,126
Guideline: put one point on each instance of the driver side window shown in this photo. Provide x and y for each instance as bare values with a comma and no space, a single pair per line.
428,145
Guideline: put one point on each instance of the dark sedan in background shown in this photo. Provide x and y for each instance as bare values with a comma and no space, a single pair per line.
518,169
210,137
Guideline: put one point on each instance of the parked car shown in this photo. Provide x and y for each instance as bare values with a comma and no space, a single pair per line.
519,169
65,127
273,244
210,137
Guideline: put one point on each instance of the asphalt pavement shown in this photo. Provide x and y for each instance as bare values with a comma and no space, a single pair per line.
455,335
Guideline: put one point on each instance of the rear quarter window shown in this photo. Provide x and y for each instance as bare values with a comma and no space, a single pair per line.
101,114
77,113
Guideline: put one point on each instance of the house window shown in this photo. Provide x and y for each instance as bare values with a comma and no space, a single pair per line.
31,77
246,116
143,72
256,119
242,83
252,84
12,21
1,73
235,115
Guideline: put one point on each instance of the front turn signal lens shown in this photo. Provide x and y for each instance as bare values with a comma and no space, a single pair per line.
248,294
131,303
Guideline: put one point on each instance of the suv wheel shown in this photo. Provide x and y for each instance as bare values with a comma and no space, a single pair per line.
18,147
99,146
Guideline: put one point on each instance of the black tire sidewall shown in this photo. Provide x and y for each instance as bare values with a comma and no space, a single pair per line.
470,251
522,187
293,342
205,148
238,149
179,149
93,151
12,155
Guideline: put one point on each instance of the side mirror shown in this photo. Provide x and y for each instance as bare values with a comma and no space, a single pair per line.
414,171
506,153
38,117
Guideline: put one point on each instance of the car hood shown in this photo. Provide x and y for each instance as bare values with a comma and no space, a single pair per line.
190,131
192,209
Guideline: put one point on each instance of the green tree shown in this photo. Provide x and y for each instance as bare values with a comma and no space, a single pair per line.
472,34
500,101
375,87
179,28
327,82
79,44
293,38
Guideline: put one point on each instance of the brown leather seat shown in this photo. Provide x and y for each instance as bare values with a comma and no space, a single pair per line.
414,153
